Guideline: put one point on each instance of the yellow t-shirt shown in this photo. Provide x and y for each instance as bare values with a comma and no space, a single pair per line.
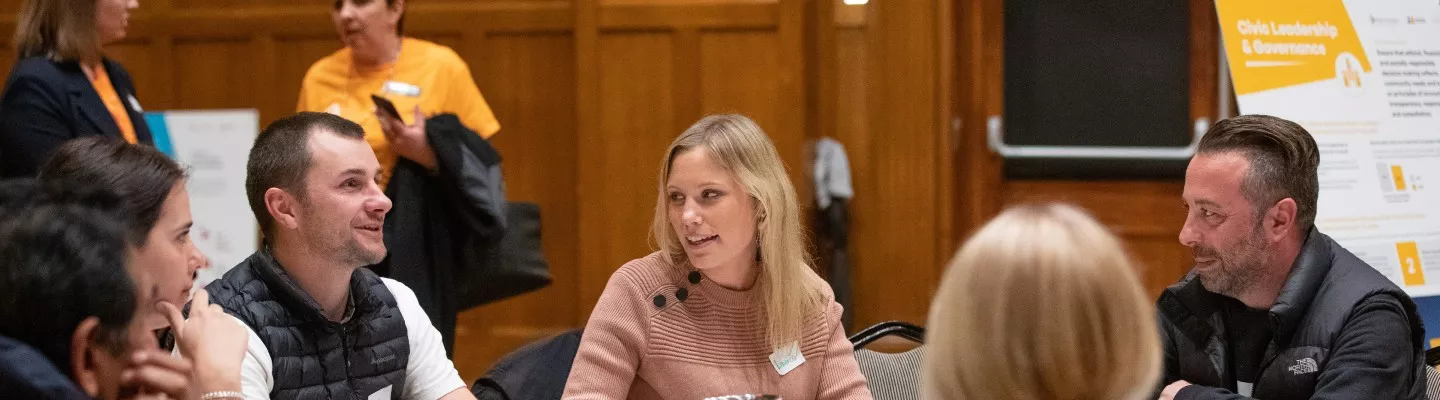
427,74
100,80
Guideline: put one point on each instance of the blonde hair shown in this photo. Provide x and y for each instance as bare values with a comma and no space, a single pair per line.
62,30
1042,303
789,286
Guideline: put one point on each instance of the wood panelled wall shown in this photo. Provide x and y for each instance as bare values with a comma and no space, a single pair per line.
881,74
590,92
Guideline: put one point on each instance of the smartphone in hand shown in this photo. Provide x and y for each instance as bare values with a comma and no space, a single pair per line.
386,107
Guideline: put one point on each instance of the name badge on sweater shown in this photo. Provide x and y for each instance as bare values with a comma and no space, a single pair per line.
402,88
785,359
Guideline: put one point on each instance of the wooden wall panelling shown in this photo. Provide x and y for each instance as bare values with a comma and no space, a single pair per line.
852,128
1204,61
879,86
680,2
157,5
740,74
709,14
820,68
134,54
689,78
636,120
214,73
266,88
294,56
529,81
839,71
314,20
1145,214
789,75
1160,257
895,252
326,3
979,82
7,58
946,135
161,93
590,270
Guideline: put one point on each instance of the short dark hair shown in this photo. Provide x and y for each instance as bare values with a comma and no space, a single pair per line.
62,260
280,158
139,174
17,194
1284,161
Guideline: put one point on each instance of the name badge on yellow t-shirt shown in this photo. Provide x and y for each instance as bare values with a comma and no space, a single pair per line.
401,88
785,359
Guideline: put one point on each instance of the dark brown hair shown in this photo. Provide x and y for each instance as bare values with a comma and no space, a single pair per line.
280,158
1283,161
141,175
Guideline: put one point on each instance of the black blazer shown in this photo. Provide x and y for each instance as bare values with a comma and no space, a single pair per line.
46,103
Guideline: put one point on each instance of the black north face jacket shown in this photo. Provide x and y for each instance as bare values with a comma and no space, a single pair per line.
1341,331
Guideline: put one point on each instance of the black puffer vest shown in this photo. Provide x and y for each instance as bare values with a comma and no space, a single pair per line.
314,358
1325,284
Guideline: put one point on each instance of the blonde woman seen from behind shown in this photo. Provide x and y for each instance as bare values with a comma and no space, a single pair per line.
730,304
1042,303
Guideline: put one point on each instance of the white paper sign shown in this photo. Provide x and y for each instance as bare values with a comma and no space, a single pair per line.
213,146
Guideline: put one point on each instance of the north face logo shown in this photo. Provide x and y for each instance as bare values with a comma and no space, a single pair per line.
1304,366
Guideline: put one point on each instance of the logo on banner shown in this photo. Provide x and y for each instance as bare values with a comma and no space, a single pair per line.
1281,43
1347,70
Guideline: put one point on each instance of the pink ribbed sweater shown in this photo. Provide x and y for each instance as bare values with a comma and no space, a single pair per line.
649,339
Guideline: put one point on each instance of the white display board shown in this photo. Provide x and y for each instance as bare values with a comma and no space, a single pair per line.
1363,77
213,145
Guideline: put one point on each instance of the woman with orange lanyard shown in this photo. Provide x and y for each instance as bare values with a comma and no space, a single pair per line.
63,87
421,78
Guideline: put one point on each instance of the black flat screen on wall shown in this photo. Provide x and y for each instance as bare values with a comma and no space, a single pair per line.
1096,73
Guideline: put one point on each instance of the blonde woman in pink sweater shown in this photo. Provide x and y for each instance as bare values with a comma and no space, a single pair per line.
730,304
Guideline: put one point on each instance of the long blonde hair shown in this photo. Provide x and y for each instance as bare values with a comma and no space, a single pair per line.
1042,303
788,284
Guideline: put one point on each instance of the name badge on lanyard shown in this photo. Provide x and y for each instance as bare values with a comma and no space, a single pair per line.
401,88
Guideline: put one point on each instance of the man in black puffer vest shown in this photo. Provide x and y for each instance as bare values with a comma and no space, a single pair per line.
1273,308
321,326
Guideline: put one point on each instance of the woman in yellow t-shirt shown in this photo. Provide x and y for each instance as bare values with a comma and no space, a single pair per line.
422,79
